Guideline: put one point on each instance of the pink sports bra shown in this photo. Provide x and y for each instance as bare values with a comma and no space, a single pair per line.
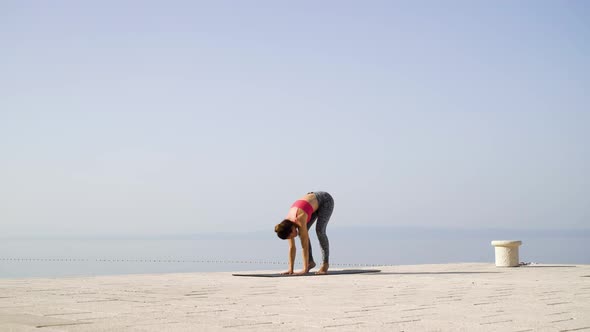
305,206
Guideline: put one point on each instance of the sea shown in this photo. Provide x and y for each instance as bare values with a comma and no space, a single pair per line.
92,255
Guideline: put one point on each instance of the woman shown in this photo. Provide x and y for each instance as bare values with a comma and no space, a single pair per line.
302,215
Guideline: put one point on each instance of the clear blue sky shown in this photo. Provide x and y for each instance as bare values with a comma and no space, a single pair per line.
157,117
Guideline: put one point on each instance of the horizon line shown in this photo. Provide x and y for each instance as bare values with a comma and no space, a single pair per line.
178,235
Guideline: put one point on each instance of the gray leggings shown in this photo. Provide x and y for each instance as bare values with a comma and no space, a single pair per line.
322,215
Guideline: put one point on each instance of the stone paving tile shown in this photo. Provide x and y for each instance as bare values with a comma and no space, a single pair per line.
444,297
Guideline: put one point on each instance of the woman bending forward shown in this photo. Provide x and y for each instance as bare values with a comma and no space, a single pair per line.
302,215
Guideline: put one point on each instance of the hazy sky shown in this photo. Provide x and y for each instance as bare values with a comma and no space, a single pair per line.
155,117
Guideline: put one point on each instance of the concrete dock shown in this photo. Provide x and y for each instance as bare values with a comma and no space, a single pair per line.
442,297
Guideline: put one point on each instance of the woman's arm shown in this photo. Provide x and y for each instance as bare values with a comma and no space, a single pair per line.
292,253
304,248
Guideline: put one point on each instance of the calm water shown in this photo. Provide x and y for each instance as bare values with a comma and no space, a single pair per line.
261,251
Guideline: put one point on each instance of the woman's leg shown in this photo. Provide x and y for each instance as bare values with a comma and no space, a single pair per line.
314,217
324,213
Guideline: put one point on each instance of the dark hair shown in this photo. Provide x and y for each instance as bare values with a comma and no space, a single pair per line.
284,229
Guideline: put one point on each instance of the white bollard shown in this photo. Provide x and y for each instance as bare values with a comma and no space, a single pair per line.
507,253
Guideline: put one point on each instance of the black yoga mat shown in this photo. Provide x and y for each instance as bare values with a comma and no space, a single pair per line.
330,273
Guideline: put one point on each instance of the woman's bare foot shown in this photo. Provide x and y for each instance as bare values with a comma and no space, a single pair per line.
323,269
311,266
